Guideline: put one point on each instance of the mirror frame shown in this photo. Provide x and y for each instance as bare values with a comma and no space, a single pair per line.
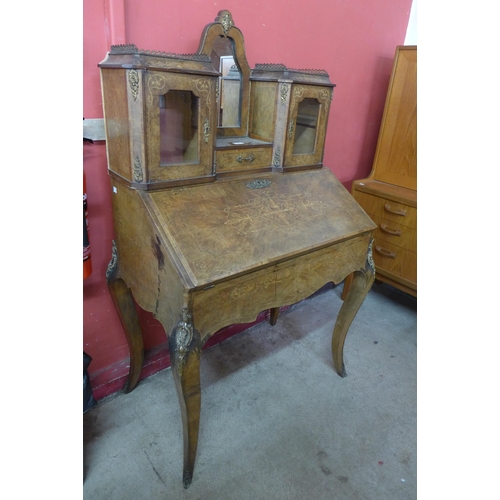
223,26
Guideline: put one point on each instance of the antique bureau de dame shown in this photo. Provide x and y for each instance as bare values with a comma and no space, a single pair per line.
222,207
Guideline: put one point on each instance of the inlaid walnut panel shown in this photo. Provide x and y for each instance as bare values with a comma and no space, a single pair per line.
116,120
228,227
263,110
144,261
242,298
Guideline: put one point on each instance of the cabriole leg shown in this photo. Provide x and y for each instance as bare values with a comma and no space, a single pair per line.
125,306
185,351
347,285
359,286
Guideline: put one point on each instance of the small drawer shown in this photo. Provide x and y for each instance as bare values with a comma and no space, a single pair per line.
394,259
397,234
387,209
243,159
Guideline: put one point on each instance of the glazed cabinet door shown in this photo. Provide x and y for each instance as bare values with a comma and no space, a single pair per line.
180,125
306,128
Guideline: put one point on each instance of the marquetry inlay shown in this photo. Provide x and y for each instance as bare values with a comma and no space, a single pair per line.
278,212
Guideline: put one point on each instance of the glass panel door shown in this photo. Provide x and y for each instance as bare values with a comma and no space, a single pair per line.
178,127
306,127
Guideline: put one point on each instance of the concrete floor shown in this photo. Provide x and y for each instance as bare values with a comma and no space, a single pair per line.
276,422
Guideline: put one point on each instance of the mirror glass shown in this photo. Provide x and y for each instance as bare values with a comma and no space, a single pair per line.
230,87
178,127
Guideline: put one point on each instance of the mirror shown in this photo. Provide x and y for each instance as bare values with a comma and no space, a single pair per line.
229,95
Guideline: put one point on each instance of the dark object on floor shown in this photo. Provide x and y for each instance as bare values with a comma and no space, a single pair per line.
88,398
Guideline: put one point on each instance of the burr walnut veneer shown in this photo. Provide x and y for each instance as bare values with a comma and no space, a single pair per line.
222,207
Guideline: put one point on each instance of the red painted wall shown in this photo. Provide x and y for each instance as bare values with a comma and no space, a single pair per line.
354,40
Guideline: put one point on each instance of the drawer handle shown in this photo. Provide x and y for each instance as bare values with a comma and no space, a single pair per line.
248,158
388,230
385,252
394,211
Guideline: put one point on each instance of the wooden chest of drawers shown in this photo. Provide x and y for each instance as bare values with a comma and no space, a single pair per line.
389,194
395,239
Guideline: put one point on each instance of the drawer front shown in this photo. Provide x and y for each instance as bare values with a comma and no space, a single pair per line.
387,209
243,159
395,260
240,299
396,234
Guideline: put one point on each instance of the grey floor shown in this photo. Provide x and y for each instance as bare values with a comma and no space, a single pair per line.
276,422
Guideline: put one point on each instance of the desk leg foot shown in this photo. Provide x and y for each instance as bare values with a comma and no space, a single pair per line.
359,285
185,350
273,315
125,306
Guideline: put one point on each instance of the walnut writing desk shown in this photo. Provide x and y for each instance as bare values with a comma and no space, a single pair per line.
217,222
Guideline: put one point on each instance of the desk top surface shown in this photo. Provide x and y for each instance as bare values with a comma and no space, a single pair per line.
230,227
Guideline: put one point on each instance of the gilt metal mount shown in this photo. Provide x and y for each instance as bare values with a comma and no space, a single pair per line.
258,184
